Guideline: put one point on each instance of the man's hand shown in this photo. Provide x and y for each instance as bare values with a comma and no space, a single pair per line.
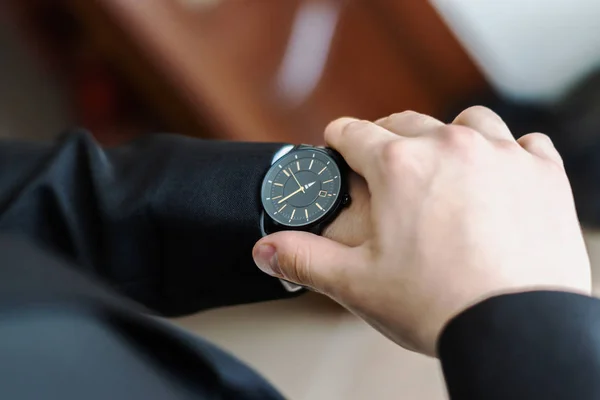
458,213
353,226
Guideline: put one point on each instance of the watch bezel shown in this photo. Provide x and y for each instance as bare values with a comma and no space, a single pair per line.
269,224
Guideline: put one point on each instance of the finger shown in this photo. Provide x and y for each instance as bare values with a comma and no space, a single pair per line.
484,121
306,259
359,142
409,123
540,145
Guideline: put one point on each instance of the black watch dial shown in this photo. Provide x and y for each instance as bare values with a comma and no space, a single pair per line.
301,188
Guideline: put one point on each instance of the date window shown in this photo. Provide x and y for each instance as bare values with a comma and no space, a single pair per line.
322,193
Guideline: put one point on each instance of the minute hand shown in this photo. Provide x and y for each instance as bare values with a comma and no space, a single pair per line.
296,179
290,195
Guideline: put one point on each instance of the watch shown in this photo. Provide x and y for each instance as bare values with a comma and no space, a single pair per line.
305,188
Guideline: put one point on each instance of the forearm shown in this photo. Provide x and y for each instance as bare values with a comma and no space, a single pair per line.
170,221
537,345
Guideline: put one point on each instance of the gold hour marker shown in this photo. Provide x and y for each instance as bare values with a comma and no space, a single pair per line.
321,171
311,163
318,205
331,180
275,198
306,213
277,184
298,165
293,212
281,209
286,173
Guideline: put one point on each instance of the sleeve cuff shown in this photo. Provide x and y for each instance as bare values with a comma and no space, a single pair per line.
530,345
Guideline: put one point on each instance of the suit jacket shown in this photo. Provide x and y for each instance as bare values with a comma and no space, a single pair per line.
94,240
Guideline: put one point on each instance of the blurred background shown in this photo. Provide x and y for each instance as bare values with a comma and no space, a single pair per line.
279,70
265,70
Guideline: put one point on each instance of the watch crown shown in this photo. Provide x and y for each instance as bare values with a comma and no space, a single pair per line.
346,199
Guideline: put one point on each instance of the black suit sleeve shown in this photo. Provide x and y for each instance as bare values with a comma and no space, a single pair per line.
167,220
536,345
64,336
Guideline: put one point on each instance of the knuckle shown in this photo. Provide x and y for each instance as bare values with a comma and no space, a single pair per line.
392,152
474,111
506,145
541,144
396,157
403,115
534,139
406,113
398,120
410,123
356,127
460,138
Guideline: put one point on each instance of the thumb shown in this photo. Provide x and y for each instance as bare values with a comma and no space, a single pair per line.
305,259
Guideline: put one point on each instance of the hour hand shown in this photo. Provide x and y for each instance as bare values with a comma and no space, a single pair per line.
289,195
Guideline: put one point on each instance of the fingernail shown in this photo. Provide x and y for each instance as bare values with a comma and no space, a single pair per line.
265,258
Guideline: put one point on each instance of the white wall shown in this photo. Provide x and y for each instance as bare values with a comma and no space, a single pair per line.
529,49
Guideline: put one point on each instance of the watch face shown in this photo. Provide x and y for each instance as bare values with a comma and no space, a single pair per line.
301,188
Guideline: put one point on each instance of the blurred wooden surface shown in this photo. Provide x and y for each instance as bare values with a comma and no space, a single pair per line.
273,70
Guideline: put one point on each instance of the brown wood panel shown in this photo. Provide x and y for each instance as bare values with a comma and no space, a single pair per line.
175,50
367,76
420,34
217,71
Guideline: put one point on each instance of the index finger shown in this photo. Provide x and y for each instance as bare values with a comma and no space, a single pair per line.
359,142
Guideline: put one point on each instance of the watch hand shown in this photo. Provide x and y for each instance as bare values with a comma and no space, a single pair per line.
288,196
309,185
296,179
